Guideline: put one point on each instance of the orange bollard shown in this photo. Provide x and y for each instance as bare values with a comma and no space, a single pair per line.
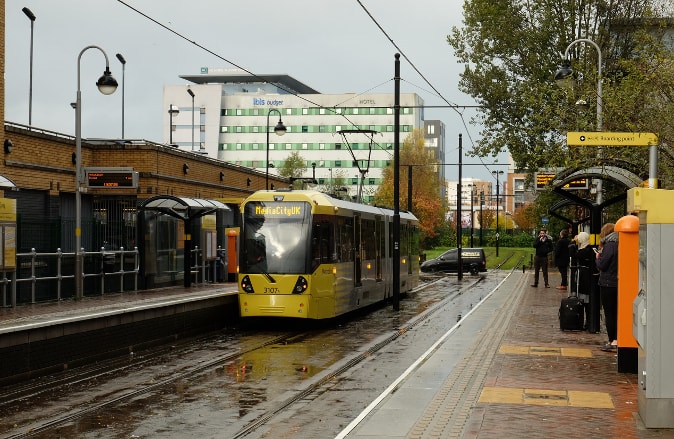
628,289
232,253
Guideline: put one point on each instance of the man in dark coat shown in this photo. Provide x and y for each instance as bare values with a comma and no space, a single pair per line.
543,245
562,258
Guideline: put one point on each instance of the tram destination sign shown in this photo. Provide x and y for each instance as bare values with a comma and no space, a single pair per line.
600,138
544,178
111,177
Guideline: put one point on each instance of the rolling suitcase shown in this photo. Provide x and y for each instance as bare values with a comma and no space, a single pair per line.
572,311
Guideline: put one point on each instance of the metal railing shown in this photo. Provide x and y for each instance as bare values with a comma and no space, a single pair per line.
43,277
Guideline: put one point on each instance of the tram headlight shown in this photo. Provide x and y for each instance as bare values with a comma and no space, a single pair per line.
301,285
246,285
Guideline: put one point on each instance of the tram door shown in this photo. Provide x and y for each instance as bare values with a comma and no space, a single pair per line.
357,249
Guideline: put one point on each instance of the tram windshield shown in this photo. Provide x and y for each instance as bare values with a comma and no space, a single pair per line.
276,237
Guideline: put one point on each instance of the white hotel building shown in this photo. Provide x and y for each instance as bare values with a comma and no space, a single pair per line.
233,112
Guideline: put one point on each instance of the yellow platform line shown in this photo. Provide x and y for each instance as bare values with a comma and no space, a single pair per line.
545,351
546,397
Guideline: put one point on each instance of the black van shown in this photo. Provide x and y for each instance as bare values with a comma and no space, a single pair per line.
474,261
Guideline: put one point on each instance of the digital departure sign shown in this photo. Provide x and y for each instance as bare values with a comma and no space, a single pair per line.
277,210
111,178
544,178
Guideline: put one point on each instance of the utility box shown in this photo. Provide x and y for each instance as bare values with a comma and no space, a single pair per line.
653,308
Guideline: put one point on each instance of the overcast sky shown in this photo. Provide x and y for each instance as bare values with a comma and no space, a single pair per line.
332,46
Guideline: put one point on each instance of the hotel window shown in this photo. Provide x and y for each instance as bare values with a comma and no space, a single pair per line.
338,146
338,128
389,128
272,146
256,146
305,129
430,129
239,112
338,164
355,111
305,146
321,111
322,129
239,129
338,111
321,146
289,146
373,128
305,111
389,111
224,129
256,129
373,111
239,147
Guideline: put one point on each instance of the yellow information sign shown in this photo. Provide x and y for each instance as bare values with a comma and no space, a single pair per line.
599,138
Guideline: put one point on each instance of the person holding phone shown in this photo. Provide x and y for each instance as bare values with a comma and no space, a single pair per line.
543,245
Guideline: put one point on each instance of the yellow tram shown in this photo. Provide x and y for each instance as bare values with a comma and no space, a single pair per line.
307,255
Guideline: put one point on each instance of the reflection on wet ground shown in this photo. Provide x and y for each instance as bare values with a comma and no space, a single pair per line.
262,383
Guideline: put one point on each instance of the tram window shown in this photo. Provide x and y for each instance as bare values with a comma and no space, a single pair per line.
322,242
369,242
345,249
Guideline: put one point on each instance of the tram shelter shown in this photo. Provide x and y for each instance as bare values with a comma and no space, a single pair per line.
175,231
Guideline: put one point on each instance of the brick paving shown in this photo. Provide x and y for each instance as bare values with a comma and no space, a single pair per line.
536,323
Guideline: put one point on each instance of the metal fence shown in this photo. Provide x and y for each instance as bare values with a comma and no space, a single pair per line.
42,277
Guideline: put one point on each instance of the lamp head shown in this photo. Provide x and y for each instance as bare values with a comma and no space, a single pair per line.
565,76
121,58
106,84
29,14
190,92
280,129
173,109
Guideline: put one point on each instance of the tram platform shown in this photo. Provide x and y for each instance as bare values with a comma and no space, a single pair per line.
508,371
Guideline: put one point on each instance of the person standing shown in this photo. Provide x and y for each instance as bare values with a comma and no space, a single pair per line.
583,269
607,264
562,258
543,246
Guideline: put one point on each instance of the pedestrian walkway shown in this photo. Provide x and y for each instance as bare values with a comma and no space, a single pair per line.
508,371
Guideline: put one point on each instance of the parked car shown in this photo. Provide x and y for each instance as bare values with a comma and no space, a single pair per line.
474,261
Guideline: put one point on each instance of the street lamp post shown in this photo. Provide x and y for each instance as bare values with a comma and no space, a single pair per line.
497,173
123,61
173,110
191,93
472,214
107,85
481,223
280,130
31,17
564,78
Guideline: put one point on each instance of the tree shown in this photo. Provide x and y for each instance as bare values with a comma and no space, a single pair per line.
427,204
511,51
294,167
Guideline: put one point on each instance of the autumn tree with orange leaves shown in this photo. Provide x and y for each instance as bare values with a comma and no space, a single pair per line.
427,204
